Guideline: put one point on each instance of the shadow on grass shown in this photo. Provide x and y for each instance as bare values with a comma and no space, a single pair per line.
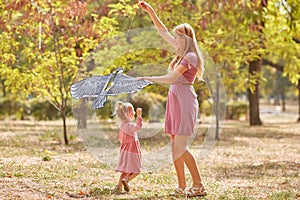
232,133
260,170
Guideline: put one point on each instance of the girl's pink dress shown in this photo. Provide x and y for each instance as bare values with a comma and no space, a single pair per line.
182,104
130,160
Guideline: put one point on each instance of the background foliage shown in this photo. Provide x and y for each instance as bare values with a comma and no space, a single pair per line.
45,46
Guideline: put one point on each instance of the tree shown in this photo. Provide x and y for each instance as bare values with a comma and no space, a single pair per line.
44,43
229,35
282,21
255,65
223,30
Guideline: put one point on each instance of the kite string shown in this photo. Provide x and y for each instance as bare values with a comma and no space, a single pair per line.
130,24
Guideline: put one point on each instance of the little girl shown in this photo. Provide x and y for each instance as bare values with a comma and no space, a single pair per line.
130,160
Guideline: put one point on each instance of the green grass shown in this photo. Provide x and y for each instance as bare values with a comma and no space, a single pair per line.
282,195
247,163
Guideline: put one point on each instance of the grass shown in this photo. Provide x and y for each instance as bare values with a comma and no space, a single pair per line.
247,163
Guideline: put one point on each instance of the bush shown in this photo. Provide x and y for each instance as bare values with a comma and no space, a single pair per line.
16,109
236,110
205,108
146,101
143,101
24,109
43,110
153,105
103,113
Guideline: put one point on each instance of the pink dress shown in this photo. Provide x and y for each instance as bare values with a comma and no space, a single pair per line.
182,104
130,160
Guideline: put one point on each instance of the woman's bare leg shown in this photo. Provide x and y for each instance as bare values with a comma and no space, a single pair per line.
182,156
191,164
179,165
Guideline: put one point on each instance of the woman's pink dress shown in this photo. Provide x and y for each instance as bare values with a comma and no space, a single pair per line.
130,160
182,104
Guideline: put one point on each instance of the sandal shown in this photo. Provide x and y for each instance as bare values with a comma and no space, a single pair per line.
126,186
195,192
178,192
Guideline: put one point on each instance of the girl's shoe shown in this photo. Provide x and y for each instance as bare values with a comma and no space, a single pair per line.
125,184
194,192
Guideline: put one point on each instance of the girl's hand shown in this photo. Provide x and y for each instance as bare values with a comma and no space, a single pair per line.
139,112
145,6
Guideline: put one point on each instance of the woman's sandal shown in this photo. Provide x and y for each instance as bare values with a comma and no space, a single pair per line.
195,192
126,186
178,192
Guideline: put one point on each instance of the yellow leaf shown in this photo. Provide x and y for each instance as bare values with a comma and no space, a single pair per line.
81,192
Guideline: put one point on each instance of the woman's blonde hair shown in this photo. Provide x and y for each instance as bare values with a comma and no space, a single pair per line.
191,45
121,111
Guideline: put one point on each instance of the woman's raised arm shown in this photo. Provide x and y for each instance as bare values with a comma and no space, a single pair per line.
161,28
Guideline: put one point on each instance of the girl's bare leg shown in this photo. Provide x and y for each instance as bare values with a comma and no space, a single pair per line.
126,180
131,176
122,176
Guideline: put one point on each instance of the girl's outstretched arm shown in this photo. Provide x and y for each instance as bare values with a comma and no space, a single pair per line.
161,28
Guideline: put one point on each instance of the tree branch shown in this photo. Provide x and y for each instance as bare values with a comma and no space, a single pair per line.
277,66
296,40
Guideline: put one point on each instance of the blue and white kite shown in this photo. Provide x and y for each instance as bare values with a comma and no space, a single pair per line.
108,85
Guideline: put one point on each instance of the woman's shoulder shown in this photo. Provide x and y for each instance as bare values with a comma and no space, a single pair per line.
191,57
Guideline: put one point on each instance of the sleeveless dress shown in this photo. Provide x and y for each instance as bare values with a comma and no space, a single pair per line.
130,160
182,104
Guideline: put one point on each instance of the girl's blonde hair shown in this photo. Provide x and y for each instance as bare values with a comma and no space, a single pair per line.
121,111
191,45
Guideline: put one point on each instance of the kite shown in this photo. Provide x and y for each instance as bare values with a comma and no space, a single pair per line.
102,86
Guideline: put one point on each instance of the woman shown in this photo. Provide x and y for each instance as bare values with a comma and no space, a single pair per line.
182,105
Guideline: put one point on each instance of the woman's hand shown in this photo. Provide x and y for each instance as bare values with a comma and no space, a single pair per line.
145,6
142,78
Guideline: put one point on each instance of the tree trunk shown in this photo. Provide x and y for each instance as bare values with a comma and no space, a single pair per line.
217,107
298,100
3,88
255,67
283,101
63,116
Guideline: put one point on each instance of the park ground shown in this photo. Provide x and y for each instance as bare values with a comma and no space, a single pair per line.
261,162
